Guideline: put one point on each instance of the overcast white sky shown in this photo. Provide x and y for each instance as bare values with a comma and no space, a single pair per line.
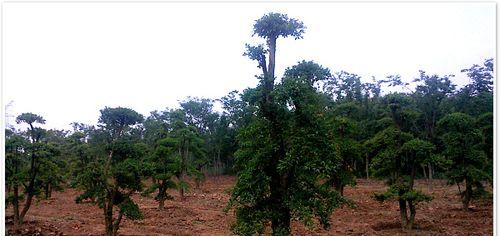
66,61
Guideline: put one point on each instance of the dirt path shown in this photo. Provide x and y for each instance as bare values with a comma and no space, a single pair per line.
202,214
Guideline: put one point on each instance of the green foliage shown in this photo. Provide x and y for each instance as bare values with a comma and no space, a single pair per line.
294,143
284,152
386,146
273,25
401,192
308,71
30,118
16,159
463,147
481,76
130,209
344,86
343,136
109,179
118,118
31,164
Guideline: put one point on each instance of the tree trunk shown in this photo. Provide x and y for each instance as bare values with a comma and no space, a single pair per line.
108,217
467,195
15,204
161,195
219,164
215,166
367,167
197,183
161,204
337,184
27,205
412,215
182,194
430,177
412,177
272,57
425,174
50,190
47,191
30,188
402,211
183,168
281,223
116,224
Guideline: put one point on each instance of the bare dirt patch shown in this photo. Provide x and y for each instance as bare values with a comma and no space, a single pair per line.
201,213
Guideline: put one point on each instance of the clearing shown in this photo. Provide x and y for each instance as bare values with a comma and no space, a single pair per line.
202,214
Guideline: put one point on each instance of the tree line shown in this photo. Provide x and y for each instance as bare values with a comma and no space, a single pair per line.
294,144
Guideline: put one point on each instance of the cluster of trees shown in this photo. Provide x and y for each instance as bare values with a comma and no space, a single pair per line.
294,144
318,131
109,162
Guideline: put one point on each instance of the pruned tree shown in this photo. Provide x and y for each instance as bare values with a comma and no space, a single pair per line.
463,147
429,96
284,151
115,175
397,158
163,164
16,171
23,166
190,146
343,132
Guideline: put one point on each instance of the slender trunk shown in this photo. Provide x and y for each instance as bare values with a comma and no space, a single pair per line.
467,195
161,195
430,177
367,167
402,211
272,57
47,191
15,204
108,204
181,192
30,189
425,174
281,223
412,177
459,191
108,216
27,204
412,214
337,184
161,204
215,166
184,157
219,164
116,224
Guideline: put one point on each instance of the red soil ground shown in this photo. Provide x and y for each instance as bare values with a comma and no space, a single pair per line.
202,214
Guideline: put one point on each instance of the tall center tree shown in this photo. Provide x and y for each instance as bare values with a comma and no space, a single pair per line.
279,177
270,27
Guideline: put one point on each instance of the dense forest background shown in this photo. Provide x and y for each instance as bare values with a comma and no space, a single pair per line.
294,144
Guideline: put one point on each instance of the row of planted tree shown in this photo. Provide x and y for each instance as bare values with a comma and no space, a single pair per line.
294,144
